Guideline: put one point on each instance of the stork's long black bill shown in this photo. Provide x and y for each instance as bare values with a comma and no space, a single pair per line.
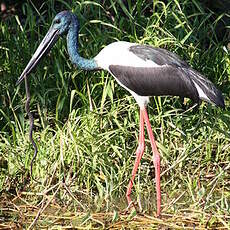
46,44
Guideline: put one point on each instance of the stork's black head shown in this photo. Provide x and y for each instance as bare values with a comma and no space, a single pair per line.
60,26
62,21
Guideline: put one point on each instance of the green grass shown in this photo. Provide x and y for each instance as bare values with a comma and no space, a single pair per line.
87,125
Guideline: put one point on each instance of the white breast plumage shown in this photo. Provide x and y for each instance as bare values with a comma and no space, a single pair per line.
117,53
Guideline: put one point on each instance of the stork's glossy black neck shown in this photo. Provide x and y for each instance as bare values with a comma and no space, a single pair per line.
72,46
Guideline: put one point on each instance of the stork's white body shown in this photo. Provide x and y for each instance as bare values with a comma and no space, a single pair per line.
120,54
117,53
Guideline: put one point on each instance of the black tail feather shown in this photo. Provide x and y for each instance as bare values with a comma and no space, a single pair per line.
213,94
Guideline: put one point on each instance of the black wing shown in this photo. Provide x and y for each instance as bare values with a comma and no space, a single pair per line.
173,76
155,81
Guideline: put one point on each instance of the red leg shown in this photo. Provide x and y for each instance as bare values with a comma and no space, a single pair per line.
139,154
156,159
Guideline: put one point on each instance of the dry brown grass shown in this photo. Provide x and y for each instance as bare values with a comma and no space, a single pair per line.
20,212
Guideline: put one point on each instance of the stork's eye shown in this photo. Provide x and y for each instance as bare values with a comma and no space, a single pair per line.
57,21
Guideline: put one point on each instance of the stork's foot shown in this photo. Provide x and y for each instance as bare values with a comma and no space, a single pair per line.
157,214
131,208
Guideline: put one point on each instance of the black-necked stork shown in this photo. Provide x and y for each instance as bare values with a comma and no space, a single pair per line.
142,70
